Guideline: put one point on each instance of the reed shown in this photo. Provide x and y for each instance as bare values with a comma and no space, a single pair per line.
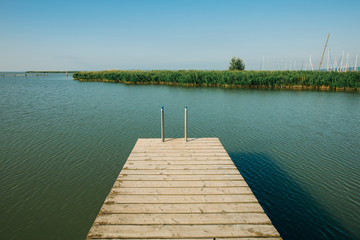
252,79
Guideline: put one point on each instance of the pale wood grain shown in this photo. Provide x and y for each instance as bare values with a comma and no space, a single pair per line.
182,208
182,231
182,219
181,190
178,184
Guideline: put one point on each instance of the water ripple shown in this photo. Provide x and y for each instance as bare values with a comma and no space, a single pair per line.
63,143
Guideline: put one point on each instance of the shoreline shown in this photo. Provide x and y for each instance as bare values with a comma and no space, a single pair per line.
289,87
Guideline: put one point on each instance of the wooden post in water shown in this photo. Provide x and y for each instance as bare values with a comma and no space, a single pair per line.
162,124
185,135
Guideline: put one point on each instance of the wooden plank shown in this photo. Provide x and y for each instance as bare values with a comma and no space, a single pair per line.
181,162
180,148
173,141
256,238
181,172
177,140
177,167
178,184
180,177
180,154
180,144
182,231
154,238
182,208
178,157
182,191
183,219
246,198
266,238
179,151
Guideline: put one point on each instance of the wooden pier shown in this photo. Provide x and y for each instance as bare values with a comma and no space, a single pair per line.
181,190
24,75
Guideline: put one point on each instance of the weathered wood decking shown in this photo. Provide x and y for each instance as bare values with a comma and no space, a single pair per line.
181,190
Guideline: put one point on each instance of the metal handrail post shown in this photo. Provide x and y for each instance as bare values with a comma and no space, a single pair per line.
185,135
162,124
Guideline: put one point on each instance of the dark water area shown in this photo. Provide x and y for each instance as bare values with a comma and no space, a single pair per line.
279,195
64,142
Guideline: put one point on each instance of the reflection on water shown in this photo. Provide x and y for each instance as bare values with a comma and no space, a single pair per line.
282,198
63,143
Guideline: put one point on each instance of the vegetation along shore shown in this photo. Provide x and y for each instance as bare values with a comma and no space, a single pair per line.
339,81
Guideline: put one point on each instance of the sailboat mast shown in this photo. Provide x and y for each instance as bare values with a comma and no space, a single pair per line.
336,67
327,39
327,62
347,62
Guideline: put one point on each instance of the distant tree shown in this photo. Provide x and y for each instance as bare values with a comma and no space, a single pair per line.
237,64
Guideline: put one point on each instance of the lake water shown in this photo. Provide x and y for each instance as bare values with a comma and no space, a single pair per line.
63,143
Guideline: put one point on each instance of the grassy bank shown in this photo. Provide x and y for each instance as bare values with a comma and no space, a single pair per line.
255,79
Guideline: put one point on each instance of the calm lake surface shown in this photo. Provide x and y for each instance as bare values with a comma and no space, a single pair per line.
63,143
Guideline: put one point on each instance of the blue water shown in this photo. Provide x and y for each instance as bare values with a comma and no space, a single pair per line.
63,143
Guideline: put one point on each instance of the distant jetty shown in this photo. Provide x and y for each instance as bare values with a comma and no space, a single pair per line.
297,80
51,71
24,75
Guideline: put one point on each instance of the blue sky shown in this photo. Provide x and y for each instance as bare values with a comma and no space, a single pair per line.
173,34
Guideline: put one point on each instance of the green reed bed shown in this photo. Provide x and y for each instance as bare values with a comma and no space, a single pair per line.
255,79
